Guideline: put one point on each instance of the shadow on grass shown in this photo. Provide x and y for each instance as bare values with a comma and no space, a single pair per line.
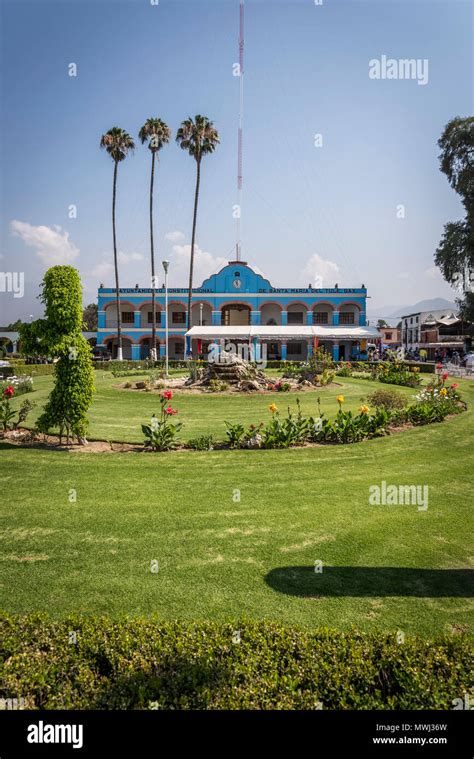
371,581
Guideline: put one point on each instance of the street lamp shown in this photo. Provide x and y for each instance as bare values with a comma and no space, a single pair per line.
165,267
201,306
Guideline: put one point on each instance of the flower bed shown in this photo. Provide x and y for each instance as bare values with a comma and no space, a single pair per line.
431,405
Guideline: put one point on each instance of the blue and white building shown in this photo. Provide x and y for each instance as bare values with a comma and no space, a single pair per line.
238,304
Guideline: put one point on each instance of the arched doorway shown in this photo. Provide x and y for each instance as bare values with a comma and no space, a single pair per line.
235,315
112,345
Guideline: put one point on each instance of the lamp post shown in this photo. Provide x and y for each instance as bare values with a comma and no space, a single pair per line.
165,267
201,305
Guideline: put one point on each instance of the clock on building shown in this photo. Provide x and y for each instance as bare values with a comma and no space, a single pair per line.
237,283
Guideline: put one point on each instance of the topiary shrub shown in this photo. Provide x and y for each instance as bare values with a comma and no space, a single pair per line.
59,334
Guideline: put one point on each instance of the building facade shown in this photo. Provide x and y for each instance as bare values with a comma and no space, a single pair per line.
391,337
240,304
423,330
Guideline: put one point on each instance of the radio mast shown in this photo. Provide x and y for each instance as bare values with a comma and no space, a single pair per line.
238,247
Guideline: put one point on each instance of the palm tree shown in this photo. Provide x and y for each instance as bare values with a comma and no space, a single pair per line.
157,134
198,137
118,145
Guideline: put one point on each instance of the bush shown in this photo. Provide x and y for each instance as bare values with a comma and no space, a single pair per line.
7,414
387,399
201,443
21,385
143,664
218,386
235,433
161,434
33,370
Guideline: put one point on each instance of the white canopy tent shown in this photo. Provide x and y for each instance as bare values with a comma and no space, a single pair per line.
282,332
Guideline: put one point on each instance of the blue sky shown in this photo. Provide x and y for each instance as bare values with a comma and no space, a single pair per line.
307,211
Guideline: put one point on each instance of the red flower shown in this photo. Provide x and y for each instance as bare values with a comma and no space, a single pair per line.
9,391
439,366
444,376
169,410
168,394
454,386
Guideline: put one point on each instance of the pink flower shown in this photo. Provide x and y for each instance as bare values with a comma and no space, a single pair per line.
454,386
168,394
439,366
9,391
444,376
170,411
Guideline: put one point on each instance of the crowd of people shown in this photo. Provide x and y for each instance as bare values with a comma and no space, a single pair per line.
441,355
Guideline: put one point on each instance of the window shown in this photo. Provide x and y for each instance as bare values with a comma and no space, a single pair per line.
295,349
127,317
179,348
150,317
321,317
178,317
346,317
295,317
388,335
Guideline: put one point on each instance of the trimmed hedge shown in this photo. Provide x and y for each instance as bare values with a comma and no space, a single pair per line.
31,370
99,663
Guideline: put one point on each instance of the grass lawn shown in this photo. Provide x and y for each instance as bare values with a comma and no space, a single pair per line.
385,567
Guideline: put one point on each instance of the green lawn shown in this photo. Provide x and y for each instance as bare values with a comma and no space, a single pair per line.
386,567
118,414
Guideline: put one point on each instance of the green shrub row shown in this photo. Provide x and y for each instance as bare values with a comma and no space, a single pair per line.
32,370
92,663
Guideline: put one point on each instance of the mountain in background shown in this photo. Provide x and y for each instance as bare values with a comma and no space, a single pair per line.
394,313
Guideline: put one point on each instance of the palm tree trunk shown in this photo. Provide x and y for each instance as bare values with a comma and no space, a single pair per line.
193,237
117,292
152,254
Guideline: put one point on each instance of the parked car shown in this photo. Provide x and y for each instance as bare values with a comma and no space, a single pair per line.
99,353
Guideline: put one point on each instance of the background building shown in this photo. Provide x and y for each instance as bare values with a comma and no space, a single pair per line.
239,304
433,330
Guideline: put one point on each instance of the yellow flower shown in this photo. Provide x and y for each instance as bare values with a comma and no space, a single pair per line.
443,391
272,407
364,409
340,399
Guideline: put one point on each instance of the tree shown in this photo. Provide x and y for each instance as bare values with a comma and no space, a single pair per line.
382,323
59,335
199,138
455,253
13,327
118,145
157,134
89,317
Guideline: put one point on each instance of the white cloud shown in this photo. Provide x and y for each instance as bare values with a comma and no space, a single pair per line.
321,273
126,258
205,264
52,244
102,270
433,272
175,236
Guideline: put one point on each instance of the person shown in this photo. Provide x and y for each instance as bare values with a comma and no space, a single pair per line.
423,354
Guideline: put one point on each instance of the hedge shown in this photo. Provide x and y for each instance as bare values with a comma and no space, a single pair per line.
31,370
99,663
